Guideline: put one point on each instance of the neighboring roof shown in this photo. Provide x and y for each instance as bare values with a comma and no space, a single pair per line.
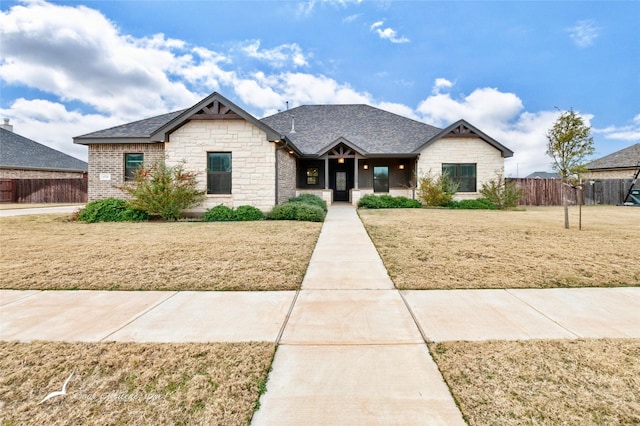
368,130
463,129
18,152
542,175
159,128
627,158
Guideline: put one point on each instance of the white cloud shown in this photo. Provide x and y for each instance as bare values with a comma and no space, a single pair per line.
440,84
584,33
387,33
305,8
500,115
279,57
629,133
53,125
87,59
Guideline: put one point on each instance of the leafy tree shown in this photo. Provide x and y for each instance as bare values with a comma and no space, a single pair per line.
570,143
163,191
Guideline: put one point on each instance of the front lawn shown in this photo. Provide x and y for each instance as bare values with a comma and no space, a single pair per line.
132,383
551,382
446,249
51,252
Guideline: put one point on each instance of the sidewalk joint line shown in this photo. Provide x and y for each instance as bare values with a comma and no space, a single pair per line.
543,314
144,312
286,318
413,316
22,297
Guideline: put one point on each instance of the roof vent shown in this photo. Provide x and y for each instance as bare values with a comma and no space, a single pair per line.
293,124
6,125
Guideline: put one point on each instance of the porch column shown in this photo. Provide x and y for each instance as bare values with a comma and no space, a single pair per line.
355,173
326,172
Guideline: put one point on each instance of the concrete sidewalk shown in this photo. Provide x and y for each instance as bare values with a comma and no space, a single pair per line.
40,210
351,347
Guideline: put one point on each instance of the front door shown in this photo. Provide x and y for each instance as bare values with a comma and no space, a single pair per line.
341,191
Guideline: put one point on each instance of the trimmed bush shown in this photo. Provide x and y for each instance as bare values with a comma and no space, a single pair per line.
504,194
246,213
296,210
371,201
436,190
311,199
477,204
111,210
220,213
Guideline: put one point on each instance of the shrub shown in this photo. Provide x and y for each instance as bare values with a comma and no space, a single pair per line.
436,190
220,213
296,210
163,191
477,204
246,213
503,194
110,210
311,199
371,201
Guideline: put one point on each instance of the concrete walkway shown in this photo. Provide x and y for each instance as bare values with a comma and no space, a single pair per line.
351,347
40,210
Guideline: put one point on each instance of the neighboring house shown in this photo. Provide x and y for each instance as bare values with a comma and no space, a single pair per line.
542,175
339,152
619,165
23,158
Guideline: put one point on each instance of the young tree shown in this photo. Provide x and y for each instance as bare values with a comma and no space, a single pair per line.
163,191
570,142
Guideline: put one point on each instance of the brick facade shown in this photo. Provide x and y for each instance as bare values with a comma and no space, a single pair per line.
488,160
286,176
106,166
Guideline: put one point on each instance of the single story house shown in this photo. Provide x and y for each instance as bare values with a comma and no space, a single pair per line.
621,164
339,152
23,158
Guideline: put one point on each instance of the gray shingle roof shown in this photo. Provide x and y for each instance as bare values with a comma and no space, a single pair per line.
371,129
22,153
627,158
137,129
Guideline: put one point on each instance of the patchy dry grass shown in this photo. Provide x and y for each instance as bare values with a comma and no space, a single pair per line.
132,383
442,249
50,252
543,382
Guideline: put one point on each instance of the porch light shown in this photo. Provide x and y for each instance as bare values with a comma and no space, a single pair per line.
401,166
366,167
341,160
290,151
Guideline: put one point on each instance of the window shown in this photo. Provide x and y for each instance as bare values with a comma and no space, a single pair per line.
218,173
313,176
381,179
463,174
132,162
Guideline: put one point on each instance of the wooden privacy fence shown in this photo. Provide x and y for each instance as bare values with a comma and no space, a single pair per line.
44,190
548,192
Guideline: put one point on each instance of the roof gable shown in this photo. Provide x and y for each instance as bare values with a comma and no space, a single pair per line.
213,107
159,128
22,153
463,129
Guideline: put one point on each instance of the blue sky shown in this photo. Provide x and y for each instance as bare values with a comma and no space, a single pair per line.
73,67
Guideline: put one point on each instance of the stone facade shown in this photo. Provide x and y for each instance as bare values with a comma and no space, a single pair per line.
286,176
253,164
38,174
488,160
106,166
